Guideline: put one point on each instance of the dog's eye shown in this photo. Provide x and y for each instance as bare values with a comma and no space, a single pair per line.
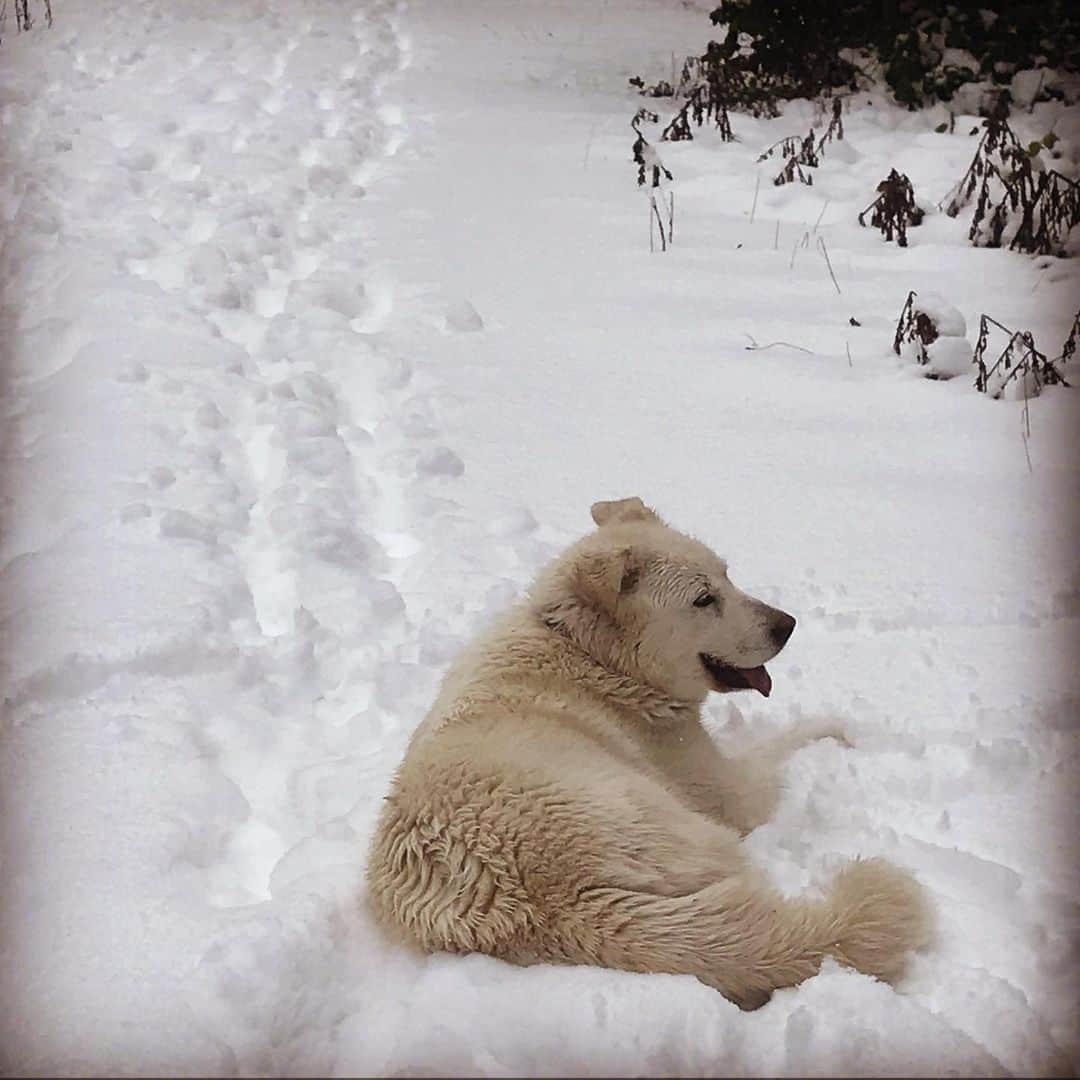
705,600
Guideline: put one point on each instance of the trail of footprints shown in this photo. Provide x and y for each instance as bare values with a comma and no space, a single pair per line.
291,446
269,460
301,443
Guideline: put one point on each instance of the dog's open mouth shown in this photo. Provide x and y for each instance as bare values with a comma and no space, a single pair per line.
727,677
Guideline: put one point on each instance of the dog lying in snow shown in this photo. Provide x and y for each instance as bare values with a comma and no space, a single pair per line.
562,802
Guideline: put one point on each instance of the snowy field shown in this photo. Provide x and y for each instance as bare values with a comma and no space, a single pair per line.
322,325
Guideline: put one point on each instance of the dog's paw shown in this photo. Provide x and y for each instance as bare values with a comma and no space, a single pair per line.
805,733
750,1000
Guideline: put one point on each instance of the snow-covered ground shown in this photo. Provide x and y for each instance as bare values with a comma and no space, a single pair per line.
322,325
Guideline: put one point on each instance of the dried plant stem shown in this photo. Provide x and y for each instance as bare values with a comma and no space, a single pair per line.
588,145
804,242
755,347
828,262
753,208
655,213
1025,430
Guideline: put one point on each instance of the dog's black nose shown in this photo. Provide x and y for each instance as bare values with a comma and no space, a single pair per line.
781,629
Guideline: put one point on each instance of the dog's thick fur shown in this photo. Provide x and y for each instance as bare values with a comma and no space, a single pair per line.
562,802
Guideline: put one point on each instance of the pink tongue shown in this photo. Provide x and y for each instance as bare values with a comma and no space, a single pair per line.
758,678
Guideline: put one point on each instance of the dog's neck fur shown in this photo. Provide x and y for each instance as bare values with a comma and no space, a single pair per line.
595,652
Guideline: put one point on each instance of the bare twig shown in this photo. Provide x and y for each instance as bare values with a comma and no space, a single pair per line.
821,215
828,262
776,237
847,345
755,347
659,224
1025,429
753,208
588,145
804,242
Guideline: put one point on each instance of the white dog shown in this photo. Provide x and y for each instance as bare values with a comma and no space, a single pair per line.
562,802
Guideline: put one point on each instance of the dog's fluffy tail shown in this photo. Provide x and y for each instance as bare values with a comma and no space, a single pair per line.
877,913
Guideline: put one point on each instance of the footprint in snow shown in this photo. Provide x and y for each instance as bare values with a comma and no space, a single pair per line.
516,522
161,477
440,462
180,525
462,318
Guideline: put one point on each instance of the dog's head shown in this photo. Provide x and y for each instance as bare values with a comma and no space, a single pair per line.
661,606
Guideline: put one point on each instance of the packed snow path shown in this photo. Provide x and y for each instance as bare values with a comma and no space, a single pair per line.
208,460
322,326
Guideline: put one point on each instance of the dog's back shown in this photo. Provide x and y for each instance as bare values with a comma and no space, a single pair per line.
518,792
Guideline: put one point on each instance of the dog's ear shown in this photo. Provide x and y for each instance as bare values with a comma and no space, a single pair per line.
632,509
604,576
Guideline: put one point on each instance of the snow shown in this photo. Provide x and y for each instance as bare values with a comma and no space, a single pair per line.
960,58
1026,85
950,356
321,328
947,320
1066,126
